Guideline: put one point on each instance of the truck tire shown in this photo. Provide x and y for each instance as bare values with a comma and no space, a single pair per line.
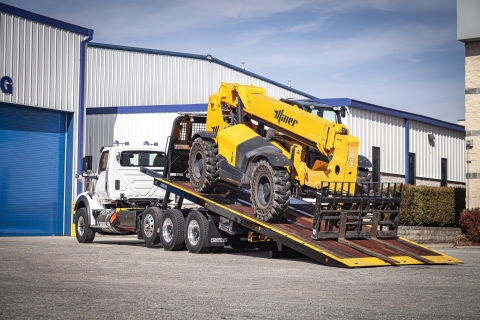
196,233
150,225
270,191
83,232
203,165
216,249
171,234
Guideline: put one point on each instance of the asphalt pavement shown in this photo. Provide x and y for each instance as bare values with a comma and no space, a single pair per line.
121,278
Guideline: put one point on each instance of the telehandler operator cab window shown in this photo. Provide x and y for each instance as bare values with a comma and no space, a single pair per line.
327,114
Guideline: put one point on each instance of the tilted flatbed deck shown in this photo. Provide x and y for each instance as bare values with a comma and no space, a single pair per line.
294,231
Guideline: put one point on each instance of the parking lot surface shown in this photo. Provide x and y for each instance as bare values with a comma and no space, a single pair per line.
121,278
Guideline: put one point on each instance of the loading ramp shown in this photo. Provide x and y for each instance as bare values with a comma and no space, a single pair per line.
293,232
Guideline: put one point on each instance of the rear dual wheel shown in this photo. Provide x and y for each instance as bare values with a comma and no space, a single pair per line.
196,233
172,228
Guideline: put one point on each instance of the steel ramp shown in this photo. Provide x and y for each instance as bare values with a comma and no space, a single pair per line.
294,230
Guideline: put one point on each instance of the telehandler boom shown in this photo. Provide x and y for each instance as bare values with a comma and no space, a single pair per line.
276,149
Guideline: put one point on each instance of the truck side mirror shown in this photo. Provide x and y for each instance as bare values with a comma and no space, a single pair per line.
343,112
86,163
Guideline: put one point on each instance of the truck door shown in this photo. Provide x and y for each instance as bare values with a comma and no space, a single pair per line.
101,186
127,178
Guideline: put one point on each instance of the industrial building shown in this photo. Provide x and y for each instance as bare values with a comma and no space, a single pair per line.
64,97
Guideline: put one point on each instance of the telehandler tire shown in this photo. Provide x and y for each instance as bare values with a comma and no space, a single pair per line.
83,232
203,165
150,225
270,191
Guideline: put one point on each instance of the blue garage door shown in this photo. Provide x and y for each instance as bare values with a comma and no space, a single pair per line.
32,165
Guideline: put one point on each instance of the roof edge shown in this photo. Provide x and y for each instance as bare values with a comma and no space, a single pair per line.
200,57
388,111
45,20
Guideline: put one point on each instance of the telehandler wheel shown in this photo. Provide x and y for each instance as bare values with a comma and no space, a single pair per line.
84,233
196,233
150,225
172,225
202,165
270,191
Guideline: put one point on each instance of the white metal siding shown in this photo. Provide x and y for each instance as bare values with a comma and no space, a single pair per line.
127,78
449,144
379,130
99,132
43,62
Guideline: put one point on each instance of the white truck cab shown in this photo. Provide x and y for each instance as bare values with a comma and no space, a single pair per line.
119,175
116,193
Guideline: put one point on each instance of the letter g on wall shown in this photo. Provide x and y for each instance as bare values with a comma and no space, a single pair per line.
6,84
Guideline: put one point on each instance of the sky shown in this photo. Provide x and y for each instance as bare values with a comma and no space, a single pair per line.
399,54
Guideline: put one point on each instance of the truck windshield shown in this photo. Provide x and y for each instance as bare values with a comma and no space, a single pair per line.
327,114
142,159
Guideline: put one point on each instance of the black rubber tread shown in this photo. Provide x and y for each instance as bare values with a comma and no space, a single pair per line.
216,249
280,199
178,226
202,245
156,213
88,234
207,150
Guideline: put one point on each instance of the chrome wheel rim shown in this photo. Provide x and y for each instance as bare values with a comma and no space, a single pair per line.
193,232
148,225
167,230
80,225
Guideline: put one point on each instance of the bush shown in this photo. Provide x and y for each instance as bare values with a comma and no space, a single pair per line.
431,206
470,223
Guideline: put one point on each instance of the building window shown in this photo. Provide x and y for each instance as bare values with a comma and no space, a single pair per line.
376,164
412,172
443,175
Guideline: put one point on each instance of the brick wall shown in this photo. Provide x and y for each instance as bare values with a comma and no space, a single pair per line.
472,121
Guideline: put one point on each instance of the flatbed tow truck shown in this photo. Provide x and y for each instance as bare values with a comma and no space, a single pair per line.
350,237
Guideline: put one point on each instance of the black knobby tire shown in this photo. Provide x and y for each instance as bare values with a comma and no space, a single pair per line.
196,233
150,225
203,165
172,225
83,232
270,191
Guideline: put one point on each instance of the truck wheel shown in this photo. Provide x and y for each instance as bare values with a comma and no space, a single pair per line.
150,225
84,233
171,234
270,191
202,165
196,233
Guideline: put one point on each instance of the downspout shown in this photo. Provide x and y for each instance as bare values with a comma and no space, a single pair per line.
407,151
81,107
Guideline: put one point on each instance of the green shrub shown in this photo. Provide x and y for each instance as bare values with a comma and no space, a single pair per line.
470,223
431,206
